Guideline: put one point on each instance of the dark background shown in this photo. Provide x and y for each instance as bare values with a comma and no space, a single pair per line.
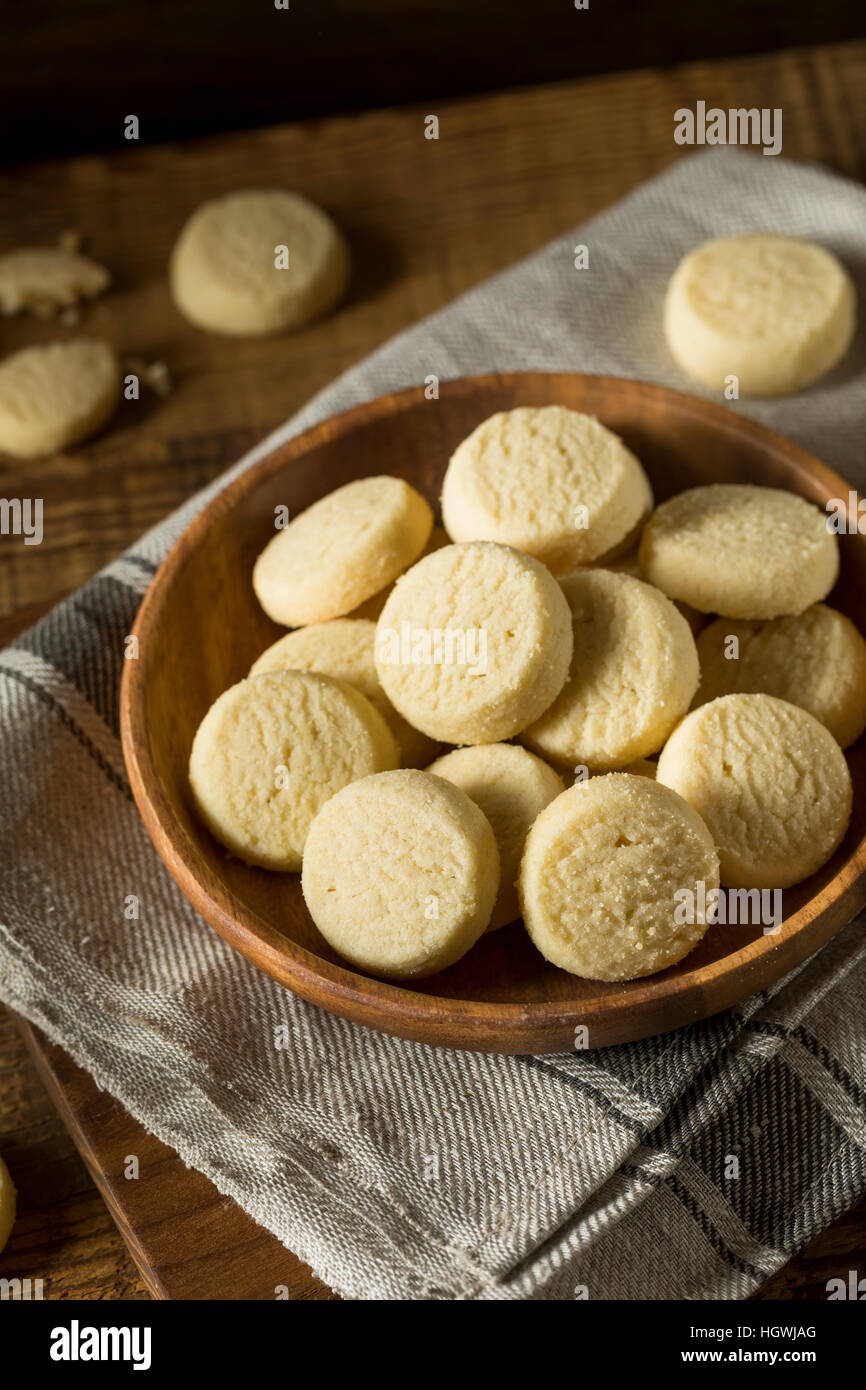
70,72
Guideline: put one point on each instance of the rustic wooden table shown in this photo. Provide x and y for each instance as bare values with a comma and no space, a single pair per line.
426,219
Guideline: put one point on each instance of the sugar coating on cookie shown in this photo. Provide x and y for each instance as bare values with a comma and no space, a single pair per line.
372,607
602,874
400,873
774,312
512,786
341,551
269,753
770,781
41,280
56,395
816,659
546,480
740,551
634,670
345,648
7,1204
258,262
474,643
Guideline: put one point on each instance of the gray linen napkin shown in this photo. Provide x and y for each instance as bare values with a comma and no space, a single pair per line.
394,1169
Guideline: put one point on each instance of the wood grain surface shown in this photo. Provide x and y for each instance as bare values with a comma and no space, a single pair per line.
427,220
198,66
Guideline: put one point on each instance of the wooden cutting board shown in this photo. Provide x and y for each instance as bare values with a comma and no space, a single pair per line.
187,1240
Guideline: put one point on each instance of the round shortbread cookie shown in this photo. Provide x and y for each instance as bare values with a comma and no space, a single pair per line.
345,649
512,787
740,551
228,268
7,1204
770,781
474,643
341,551
815,659
372,607
41,280
401,873
548,481
55,395
601,873
772,311
269,753
633,673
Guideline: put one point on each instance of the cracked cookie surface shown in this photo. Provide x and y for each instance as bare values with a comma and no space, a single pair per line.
740,551
474,643
512,787
549,481
345,649
600,873
269,753
770,781
633,673
816,659
341,550
401,873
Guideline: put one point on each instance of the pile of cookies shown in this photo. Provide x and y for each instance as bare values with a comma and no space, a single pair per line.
753,315
256,262
462,724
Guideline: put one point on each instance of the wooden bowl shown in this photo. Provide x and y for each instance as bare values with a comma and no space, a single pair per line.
200,628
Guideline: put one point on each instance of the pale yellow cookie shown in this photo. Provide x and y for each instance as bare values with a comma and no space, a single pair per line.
400,873
372,607
773,312
42,280
345,649
258,262
512,787
602,876
815,659
633,673
770,781
7,1204
546,480
474,643
341,551
269,753
55,395
740,551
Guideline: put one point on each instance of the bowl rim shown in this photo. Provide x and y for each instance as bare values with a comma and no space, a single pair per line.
395,1007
